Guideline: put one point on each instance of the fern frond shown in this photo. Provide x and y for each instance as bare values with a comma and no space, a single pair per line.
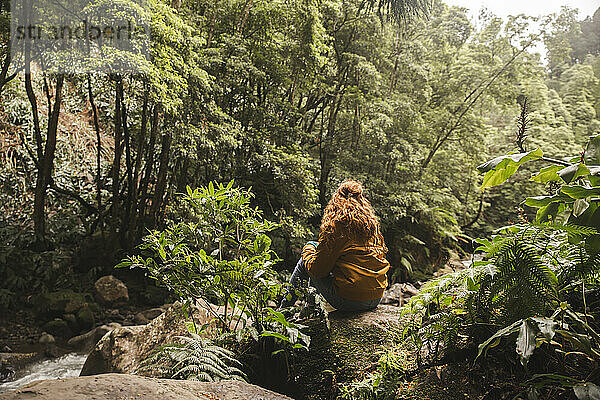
195,358
521,285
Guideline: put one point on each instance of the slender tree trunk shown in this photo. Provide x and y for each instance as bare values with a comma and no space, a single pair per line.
161,180
116,168
149,160
98,145
46,163
129,173
325,154
133,217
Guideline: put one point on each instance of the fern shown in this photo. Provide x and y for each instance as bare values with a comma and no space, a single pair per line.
520,285
196,358
584,265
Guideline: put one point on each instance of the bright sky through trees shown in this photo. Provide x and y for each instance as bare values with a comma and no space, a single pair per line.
532,7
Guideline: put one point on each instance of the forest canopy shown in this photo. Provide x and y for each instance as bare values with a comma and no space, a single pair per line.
289,98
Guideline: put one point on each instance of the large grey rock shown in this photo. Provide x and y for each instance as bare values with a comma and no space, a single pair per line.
110,291
122,349
88,340
124,386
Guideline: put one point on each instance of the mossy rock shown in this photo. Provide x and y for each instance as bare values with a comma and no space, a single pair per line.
58,327
85,317
346,351
55,304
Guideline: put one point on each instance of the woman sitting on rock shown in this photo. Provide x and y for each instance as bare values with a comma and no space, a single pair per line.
347,265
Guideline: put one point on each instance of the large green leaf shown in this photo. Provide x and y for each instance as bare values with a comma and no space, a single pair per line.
495,338
542,201
549,211
547,174
499,169
580,192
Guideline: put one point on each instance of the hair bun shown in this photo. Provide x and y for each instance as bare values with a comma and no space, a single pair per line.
350,188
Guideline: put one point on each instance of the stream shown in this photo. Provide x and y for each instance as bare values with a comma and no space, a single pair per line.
62,367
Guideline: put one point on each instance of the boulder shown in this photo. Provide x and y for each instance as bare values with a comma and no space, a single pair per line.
124,386
58,327
152,313
46,338
393,295
88,340
85,318
122,349
110,291
347,350
140,319
56,304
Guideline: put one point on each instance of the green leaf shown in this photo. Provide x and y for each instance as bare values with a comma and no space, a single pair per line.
542,201
592,150
580,192
547,326
547,174
549,212
406,264
499,169
495,338
275,335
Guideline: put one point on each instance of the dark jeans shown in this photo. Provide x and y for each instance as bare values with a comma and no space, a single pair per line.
326,289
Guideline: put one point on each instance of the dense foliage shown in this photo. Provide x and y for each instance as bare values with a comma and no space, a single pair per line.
289,98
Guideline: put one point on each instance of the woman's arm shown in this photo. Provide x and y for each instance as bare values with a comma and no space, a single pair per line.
320,260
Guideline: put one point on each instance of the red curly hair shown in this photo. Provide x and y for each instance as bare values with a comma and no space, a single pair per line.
350,213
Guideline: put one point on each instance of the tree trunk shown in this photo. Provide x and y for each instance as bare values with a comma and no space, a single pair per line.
116,168
149,160
161,180
46,163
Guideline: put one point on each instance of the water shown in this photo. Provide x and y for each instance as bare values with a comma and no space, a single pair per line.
63,367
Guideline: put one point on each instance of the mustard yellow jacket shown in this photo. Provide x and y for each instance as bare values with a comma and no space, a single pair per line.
359,271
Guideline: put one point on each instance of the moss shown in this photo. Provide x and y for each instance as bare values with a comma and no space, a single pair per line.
61,302
346,352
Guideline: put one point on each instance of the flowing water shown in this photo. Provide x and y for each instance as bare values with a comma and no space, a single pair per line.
62,367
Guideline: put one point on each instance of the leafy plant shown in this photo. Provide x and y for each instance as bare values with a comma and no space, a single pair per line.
220,254
195,358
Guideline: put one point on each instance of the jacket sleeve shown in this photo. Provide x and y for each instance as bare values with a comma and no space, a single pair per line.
320,260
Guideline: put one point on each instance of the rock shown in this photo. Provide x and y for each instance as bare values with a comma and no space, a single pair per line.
409,290
72,322
393,295
58,327
152,313
46,338
56,304
111,291
85,318
88,340
350,348
122,349
140,319
124,386
52,351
